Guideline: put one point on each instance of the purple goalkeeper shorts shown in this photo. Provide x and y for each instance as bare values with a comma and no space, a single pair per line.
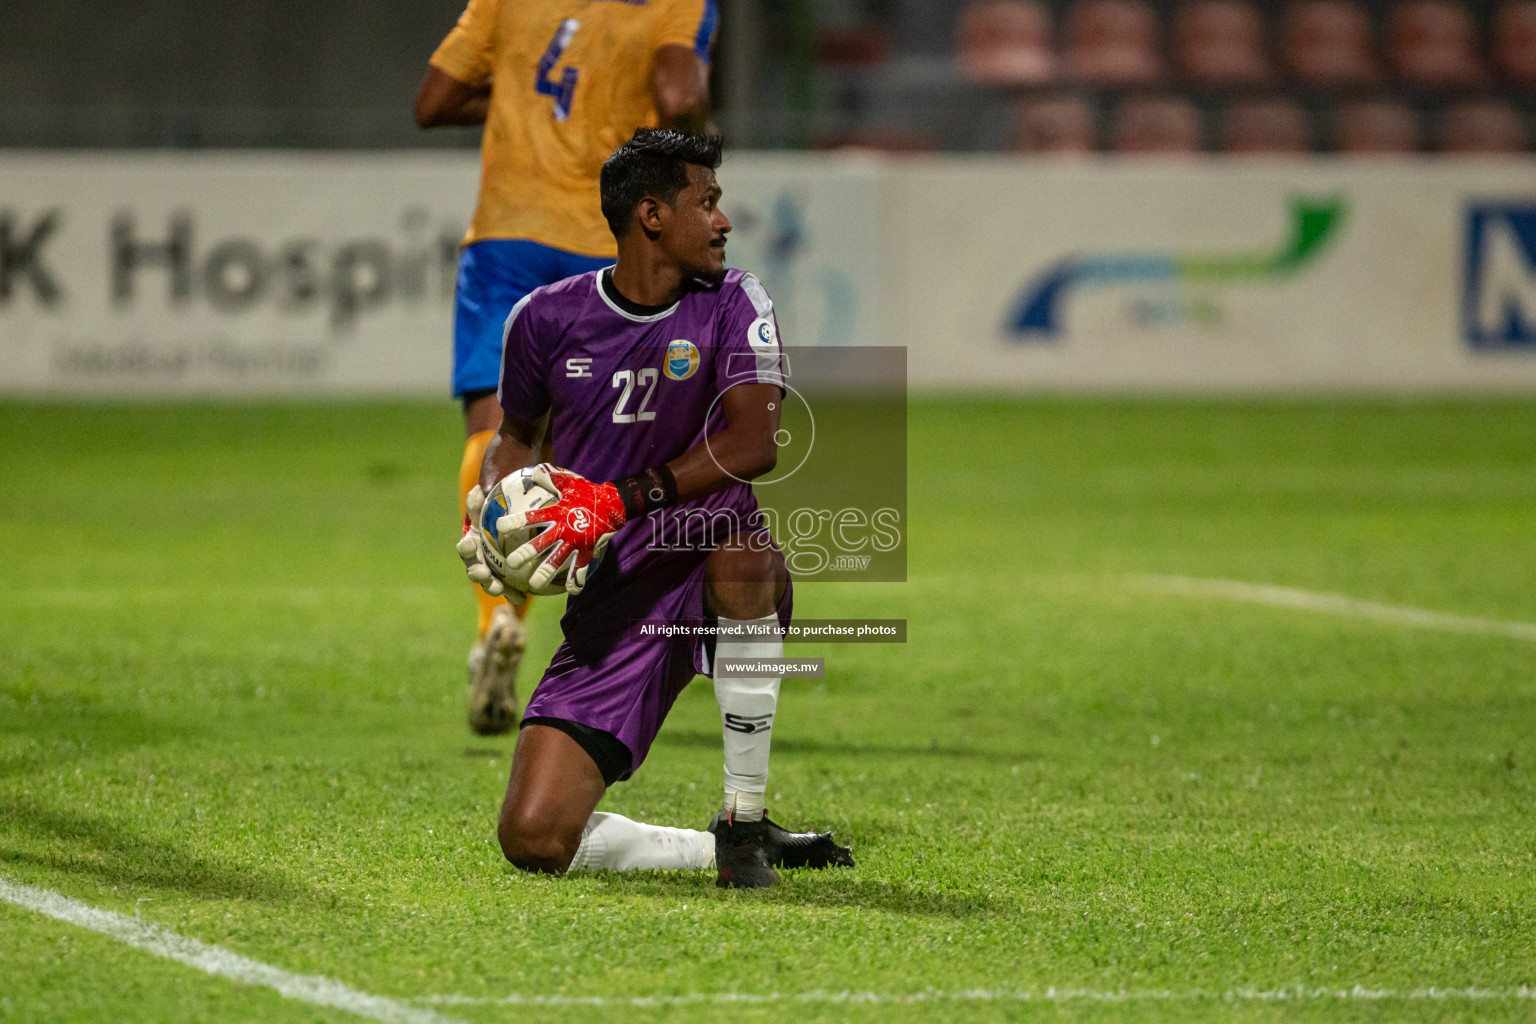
605,677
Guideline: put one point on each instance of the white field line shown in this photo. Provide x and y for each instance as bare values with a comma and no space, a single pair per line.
152,938
320,991
1334,604
1292,993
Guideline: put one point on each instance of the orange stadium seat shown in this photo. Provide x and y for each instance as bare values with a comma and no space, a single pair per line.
1061,125
1434,43
1329,43
1113,42
860,45
1370,127
1266,126
1005,42
1220,42
1514,42
1482,126
1157,124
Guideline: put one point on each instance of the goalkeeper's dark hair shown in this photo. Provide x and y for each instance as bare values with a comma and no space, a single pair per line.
654,163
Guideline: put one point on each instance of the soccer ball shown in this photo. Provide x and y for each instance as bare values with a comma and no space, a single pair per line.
517,492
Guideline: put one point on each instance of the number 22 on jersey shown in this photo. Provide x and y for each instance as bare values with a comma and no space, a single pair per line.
631,381
564,91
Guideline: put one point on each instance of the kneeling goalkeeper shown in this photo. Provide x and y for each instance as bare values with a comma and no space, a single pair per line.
662,376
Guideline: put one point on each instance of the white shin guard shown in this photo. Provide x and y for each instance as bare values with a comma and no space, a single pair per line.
747,706
615,842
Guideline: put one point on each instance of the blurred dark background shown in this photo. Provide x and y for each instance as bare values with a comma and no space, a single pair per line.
1027,76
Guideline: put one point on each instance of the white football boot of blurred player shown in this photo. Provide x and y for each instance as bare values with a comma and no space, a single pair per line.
493,663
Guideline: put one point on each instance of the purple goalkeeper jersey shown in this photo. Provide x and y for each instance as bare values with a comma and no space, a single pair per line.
626,392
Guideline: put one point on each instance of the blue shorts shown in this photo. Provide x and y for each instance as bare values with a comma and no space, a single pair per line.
494,275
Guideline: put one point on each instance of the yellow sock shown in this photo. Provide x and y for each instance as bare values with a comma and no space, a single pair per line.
469,475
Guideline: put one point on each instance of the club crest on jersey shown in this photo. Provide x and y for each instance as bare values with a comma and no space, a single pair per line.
682,360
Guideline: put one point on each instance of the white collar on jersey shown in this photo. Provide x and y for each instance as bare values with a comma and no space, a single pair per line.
608,299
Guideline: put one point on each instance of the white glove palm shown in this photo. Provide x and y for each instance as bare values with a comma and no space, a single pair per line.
469,549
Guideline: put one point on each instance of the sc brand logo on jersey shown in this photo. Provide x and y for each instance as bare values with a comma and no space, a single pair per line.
682,360
1498,302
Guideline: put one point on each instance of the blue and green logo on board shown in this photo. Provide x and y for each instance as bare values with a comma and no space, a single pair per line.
1038,313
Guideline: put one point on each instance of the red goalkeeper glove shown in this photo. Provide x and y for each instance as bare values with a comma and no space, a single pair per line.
581,524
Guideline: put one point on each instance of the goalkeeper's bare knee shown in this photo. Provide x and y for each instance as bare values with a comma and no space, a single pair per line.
743,580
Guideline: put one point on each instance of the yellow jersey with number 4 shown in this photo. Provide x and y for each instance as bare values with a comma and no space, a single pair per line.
570,83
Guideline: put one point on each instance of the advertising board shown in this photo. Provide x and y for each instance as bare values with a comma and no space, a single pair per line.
318,274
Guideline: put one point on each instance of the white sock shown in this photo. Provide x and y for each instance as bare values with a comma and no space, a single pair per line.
615,842
747,705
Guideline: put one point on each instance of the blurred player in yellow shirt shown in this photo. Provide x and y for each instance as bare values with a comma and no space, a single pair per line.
559,85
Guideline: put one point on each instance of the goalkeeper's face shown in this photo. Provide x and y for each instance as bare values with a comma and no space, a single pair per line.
693,236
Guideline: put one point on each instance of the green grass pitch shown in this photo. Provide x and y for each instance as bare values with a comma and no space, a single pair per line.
231,703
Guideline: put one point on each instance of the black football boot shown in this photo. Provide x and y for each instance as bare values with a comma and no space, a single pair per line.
786,849
741,855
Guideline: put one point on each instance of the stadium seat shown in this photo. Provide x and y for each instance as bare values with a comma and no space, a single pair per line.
1329,43
1434,43
1482,126
1157,124
1266,126
1220,42
1061,125
863,45
1005,42
1113,42
1514,42
1372,127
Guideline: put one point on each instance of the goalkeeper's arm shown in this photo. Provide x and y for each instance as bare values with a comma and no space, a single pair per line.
515,445
743,450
